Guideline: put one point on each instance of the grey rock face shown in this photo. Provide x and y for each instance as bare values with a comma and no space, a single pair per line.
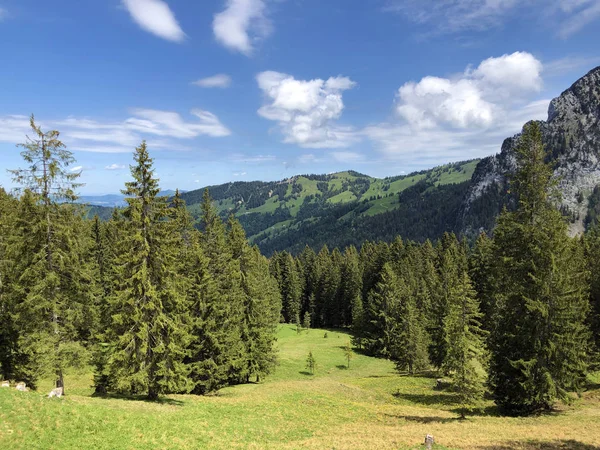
571,136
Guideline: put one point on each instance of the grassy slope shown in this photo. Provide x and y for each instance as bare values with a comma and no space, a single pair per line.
366,406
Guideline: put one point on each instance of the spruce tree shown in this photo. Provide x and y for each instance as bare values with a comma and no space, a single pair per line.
262,304
466,357
540,340
149,333
51,291
217,351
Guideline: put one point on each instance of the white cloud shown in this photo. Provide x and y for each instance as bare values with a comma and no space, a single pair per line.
162,129
2,14
216,81
583,12
239,174
477,98
570,64
167,123
239,157
306,110
116,167
464,117
156,17
76,169
455,16
241,24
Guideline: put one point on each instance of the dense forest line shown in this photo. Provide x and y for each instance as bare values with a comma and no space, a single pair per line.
518,315
154,305
158,306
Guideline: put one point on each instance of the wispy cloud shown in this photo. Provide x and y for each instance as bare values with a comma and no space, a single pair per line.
162,129
347,157
306,110
239,157
570,64
156,17
3,14
456,16
242,24
116,167
216,81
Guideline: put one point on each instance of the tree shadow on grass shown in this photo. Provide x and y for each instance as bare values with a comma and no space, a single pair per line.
142,398
427,399
539,445
425,419
342,366
305,372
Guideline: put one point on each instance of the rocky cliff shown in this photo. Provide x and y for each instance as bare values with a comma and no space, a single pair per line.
572,139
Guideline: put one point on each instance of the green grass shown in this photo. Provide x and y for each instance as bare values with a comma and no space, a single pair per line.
366,406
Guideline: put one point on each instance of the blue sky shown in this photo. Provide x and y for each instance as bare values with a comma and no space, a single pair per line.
228,90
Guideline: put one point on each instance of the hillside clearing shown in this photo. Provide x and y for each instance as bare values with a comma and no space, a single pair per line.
366,406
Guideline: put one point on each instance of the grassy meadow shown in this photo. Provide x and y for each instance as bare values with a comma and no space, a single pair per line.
366,406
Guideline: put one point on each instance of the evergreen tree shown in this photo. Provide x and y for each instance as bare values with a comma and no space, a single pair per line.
149,333
306,321
480,271
50,288
466,356
311,363
592,253
262,304
351,284
348,353
540,341
380,326
410,343
217,353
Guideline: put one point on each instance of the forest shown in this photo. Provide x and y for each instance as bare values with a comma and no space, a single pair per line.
157,306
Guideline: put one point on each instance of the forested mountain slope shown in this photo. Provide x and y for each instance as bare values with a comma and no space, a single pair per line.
343,208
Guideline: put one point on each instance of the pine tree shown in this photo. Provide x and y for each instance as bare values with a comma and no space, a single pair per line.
306,321
351,284
539,341
50,289
149,333
466,356
592,253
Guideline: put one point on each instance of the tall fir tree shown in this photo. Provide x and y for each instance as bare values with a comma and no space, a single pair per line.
149,332
540,339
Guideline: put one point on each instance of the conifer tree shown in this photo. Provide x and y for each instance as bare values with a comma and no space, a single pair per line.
540,341
592,253
380,326
410,344
217,352
149,333
262,304
466,356
351,284
51,295
480,272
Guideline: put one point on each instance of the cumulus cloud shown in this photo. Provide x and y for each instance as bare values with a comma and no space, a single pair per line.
216,81
475,99
241,24
455,16
306,110
115,167
467,116
162,129
156,17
